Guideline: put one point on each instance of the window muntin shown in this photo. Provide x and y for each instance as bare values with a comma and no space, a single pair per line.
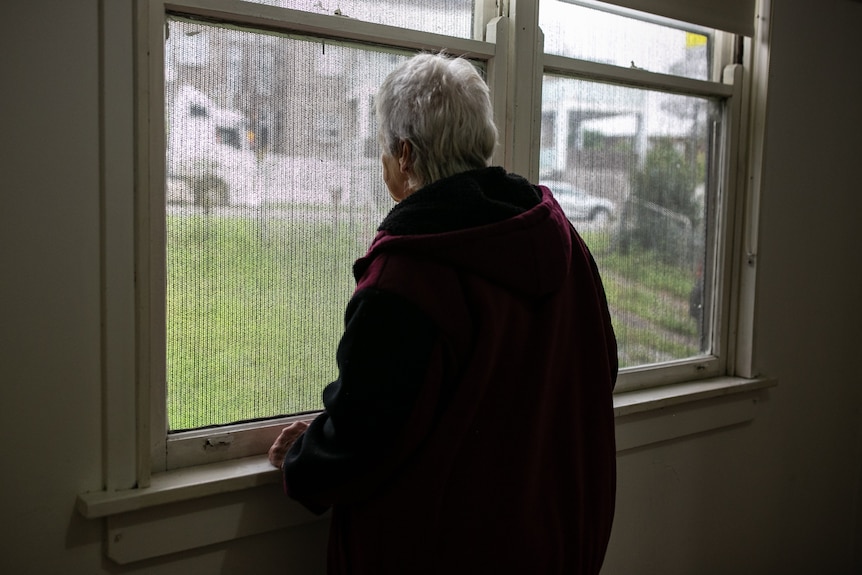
600,33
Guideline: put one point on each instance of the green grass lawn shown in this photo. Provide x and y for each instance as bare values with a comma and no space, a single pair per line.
649,303
253,322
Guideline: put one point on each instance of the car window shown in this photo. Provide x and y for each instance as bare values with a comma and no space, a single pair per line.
229,137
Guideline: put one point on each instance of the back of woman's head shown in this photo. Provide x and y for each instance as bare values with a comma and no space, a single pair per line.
441,106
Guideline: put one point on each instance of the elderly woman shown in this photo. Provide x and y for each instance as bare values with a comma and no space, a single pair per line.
471,427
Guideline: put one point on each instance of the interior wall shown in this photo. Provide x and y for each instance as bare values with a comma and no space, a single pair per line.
49,285
780,495
810,285
777,495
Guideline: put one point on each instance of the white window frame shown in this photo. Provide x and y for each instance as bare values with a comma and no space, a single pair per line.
137,470
722,195
726,187
204,446
518,35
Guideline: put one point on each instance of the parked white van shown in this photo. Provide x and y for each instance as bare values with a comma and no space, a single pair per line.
209,151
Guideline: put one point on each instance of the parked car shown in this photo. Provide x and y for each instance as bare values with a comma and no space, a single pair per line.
579,205
208,149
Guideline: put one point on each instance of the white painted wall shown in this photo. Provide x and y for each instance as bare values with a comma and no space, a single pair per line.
779,495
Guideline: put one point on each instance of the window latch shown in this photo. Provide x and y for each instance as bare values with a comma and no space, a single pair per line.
218,442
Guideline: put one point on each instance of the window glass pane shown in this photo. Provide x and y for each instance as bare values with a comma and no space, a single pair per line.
274,187
630,167
577,31
448,17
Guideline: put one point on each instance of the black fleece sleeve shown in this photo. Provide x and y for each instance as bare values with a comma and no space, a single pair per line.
382,361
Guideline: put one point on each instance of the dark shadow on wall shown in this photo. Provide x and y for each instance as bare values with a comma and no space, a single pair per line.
269,535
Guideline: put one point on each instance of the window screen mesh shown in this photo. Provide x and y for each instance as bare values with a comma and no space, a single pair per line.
274,188
597,36
448,17
630,167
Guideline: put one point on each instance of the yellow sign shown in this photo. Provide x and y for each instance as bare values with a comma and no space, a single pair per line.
693,40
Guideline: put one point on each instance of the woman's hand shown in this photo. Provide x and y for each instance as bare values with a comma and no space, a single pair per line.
283,442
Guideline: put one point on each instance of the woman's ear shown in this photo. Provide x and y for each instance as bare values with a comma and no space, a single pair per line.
405,157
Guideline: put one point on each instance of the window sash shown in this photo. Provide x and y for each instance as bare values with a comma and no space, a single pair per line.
232,441
735,16
721,197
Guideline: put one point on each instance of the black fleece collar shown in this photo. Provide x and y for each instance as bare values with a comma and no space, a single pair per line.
475,198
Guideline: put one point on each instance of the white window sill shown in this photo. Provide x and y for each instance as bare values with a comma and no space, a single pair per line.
194,507
659,414
236,498
181,485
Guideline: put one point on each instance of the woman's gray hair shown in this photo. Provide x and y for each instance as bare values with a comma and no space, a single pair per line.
442,106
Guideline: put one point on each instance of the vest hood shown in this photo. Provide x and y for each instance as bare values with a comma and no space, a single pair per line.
488,223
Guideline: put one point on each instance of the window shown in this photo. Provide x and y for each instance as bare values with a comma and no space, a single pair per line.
272,188
263,184
258,277
648,155
648,137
